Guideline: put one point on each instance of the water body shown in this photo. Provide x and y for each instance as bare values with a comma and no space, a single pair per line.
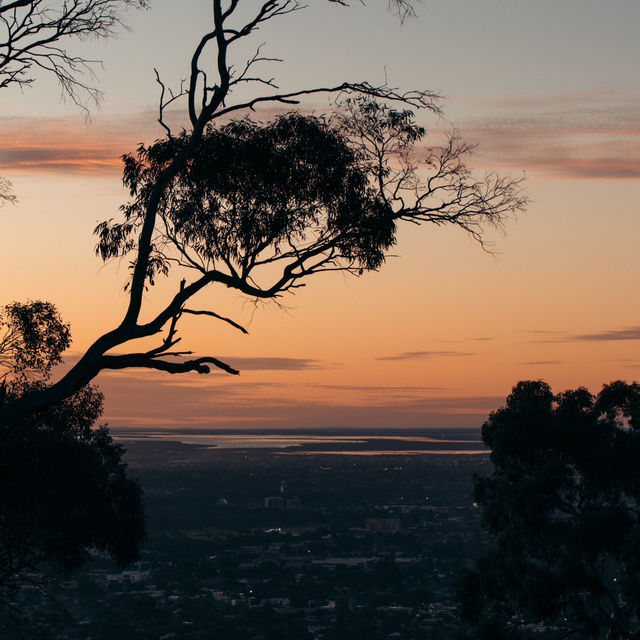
318,442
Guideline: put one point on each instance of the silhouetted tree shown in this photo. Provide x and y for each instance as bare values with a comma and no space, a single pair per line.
563,505
303,195
64,489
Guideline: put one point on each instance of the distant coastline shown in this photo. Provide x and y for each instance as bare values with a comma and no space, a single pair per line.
329,441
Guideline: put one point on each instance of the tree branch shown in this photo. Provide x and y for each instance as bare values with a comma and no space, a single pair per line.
142,360
218,317
32,28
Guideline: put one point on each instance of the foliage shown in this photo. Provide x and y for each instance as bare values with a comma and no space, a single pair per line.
32,339
64,489
563,507
422,183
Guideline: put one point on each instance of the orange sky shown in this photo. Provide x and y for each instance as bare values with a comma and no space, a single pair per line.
437,338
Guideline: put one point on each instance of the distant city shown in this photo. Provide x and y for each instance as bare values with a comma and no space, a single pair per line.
246,542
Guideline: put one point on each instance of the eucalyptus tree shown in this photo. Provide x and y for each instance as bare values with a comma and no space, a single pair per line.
229,200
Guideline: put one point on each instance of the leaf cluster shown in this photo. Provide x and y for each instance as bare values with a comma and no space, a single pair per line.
33,337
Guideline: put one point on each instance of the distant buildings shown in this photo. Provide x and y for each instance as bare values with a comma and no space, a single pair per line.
384,525
274,502
278,502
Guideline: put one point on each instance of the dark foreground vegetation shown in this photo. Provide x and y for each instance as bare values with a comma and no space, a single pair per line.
563,506
252,544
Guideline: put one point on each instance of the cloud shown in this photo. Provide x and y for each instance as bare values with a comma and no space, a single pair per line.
456,341
547,337
265,363
541,362
590,136
630,333
378,389
545,332
418,355
71,144
154,399
74,145
273,364
234,405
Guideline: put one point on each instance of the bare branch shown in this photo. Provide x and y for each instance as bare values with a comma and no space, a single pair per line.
218,317
31,31
255,59
142,360
417,99
163,104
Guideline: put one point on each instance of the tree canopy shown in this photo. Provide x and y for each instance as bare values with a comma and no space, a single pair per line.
302,192
253,194
563,507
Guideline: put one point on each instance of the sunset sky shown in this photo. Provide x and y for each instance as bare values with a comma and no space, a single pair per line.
441,333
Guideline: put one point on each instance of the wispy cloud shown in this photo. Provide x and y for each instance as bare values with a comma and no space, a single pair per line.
71,144
630,333
608,335
546,337
74,145
236,404
274,364
458,341
419,355
588,135
151,398
575,135
378,389
264,363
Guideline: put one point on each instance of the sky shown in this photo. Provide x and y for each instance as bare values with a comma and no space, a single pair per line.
436,338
